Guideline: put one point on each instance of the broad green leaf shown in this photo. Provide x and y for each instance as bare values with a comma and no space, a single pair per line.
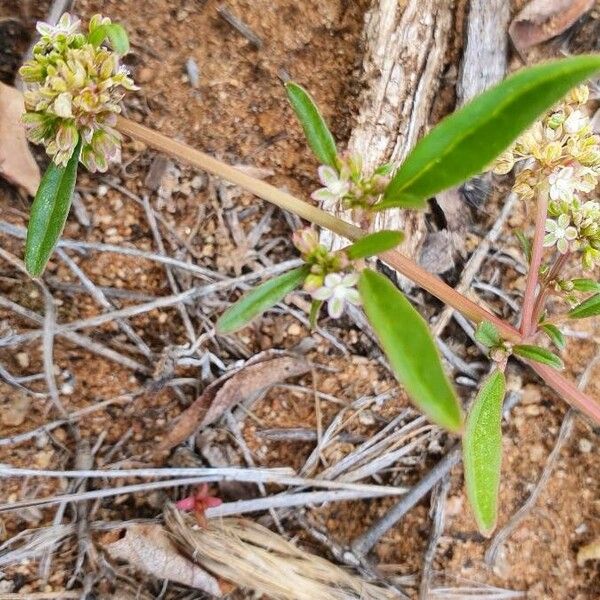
482,452
487,334
315,129
115,32
261,298
586,285
374,243
538,354
49,213
588,308
466,142
555,334
413,354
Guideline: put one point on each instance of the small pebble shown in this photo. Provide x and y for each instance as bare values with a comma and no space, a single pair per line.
294,329
366,417
585,446
22,359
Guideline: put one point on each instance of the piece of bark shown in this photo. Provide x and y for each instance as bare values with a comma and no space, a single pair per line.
483,64
542,20
405,51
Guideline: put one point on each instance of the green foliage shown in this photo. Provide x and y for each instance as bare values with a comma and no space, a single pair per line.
49,213
525,244
315,307
261,298
538,354
373,244
482,452
466,142
588,308
555,334
115,32
586,285
315,129
487,334
412,352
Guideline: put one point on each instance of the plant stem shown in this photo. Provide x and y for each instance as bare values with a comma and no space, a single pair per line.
540,301
398,261
527,323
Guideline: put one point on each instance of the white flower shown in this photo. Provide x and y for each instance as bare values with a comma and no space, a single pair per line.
560,233
575,122
336,185
562,183
67,25
338,290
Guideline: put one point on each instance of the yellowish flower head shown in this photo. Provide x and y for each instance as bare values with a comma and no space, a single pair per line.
73,90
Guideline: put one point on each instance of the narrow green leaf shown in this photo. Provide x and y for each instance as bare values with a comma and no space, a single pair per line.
555,334
538,354
49,213
374,243
315,307
588,308
586,285
482,452
412,352
315,129
487,334
525,244
261,298
466,142
115,32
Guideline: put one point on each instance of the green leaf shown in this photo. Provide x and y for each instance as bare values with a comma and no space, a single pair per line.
315,129
525,244
538,354
115,32
588,308
586,285
412,352
482,452
466,142
555,334
374,243
261,298
315,307
49,213
487,334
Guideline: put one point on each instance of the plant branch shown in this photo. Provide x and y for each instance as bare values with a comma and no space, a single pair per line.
527,324
398,261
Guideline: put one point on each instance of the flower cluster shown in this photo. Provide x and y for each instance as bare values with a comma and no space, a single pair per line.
327,280
561,157
346,183
74,89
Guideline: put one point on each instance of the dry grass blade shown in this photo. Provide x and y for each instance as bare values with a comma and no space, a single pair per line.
255,558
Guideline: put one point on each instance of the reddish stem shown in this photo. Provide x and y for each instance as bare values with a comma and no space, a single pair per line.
537,250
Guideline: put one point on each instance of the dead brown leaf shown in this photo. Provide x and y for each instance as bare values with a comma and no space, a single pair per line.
542,20
228,391
148,548
16,162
